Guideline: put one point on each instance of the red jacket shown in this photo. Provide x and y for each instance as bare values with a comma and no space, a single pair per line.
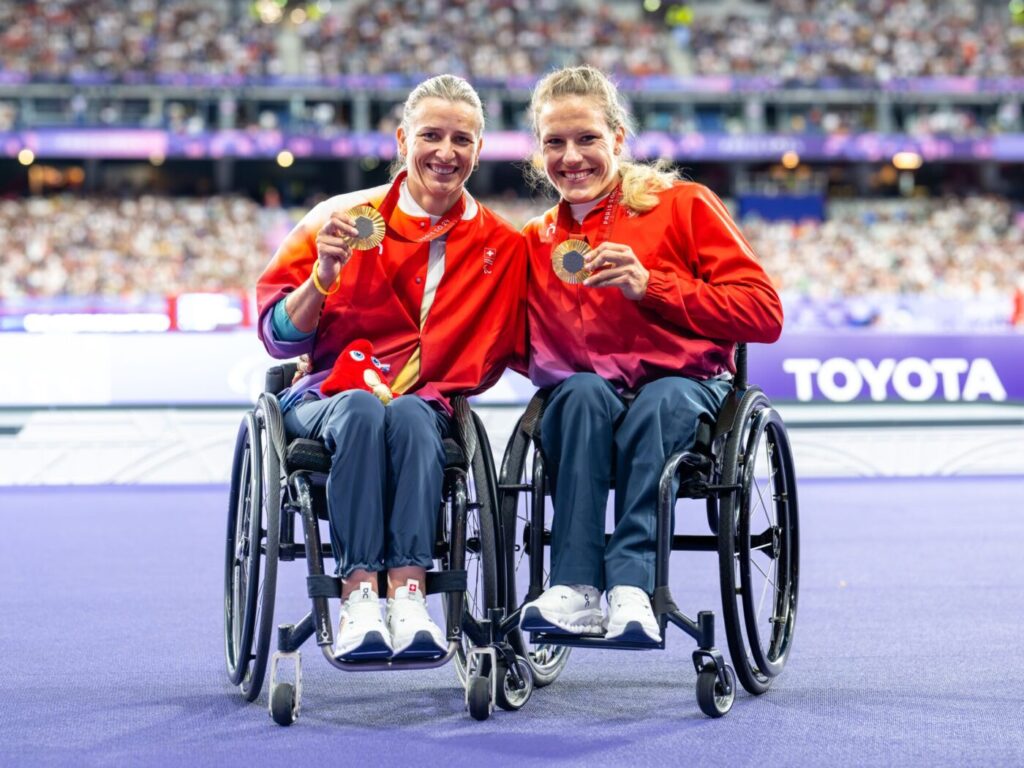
706,292
470,332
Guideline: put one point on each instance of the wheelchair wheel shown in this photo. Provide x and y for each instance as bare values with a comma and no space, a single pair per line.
509,697
759,543
240,560
284,709
251,554
711,698
478,697
546,661
481,556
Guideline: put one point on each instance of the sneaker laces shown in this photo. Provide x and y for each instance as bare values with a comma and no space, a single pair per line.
630,597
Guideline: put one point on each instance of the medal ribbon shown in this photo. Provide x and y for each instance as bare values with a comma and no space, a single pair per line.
566,223
395,227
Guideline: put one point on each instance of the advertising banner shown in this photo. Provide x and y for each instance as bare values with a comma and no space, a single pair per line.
126,369
844,366
146,144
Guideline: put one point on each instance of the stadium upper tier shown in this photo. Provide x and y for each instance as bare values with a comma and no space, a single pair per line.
918,264
825,42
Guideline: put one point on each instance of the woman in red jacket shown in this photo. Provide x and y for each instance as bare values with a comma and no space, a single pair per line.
434,298
640,286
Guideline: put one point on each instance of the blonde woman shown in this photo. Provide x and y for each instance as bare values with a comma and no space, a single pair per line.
434,298
640,286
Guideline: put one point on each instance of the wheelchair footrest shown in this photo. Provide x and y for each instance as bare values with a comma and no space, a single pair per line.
437,581
593,641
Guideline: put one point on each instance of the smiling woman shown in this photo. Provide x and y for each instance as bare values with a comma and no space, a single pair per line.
436,298
439,141
640,287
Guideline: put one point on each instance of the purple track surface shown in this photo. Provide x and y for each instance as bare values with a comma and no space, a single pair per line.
907,649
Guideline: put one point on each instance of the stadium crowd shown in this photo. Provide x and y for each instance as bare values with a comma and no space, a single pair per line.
800,40
144,39
949,250
806,40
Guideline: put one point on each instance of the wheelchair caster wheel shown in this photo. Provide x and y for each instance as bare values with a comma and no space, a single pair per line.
509,697
284,706
478,697
711,699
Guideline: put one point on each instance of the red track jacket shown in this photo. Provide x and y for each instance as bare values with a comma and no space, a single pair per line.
470,332
706,292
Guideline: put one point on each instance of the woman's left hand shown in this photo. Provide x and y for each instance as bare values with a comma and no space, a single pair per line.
615,265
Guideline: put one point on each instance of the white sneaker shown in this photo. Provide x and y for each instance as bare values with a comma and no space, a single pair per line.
630,617
413,633
575,609
361,630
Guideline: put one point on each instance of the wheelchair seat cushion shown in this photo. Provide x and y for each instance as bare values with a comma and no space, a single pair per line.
313,456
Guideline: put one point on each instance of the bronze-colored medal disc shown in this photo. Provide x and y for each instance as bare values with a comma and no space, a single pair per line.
567,261
370,224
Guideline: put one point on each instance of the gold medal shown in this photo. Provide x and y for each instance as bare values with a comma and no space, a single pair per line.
371,227
567,261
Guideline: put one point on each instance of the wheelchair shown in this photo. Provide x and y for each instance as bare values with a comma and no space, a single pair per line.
274,481
742,467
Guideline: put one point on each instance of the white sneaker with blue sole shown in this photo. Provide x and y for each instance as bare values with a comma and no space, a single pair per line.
630,617
414,635
361,631
575,609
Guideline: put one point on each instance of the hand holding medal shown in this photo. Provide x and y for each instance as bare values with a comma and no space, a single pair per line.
360,228
615,265
605,265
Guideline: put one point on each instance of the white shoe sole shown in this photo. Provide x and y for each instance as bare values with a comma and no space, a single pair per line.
373,645
632,632
423,645
580,623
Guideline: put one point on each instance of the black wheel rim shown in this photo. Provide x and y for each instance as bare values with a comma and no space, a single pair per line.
264,543
481,554
766,545
546,661
242,558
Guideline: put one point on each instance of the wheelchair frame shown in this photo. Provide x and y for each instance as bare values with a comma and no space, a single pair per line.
261,532
720,469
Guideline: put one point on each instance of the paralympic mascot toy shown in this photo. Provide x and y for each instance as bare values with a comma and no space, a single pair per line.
358,368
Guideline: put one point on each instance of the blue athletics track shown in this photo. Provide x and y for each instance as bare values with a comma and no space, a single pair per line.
907,649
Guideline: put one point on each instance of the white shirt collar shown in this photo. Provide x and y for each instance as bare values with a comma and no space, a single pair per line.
408,205
580,210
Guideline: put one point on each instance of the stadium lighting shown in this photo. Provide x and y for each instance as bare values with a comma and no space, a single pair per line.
790,160
907,161
268,11
26,157
156,159
285,158
652,5
298,16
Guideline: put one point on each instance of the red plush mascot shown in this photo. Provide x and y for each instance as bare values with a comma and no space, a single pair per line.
357,368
